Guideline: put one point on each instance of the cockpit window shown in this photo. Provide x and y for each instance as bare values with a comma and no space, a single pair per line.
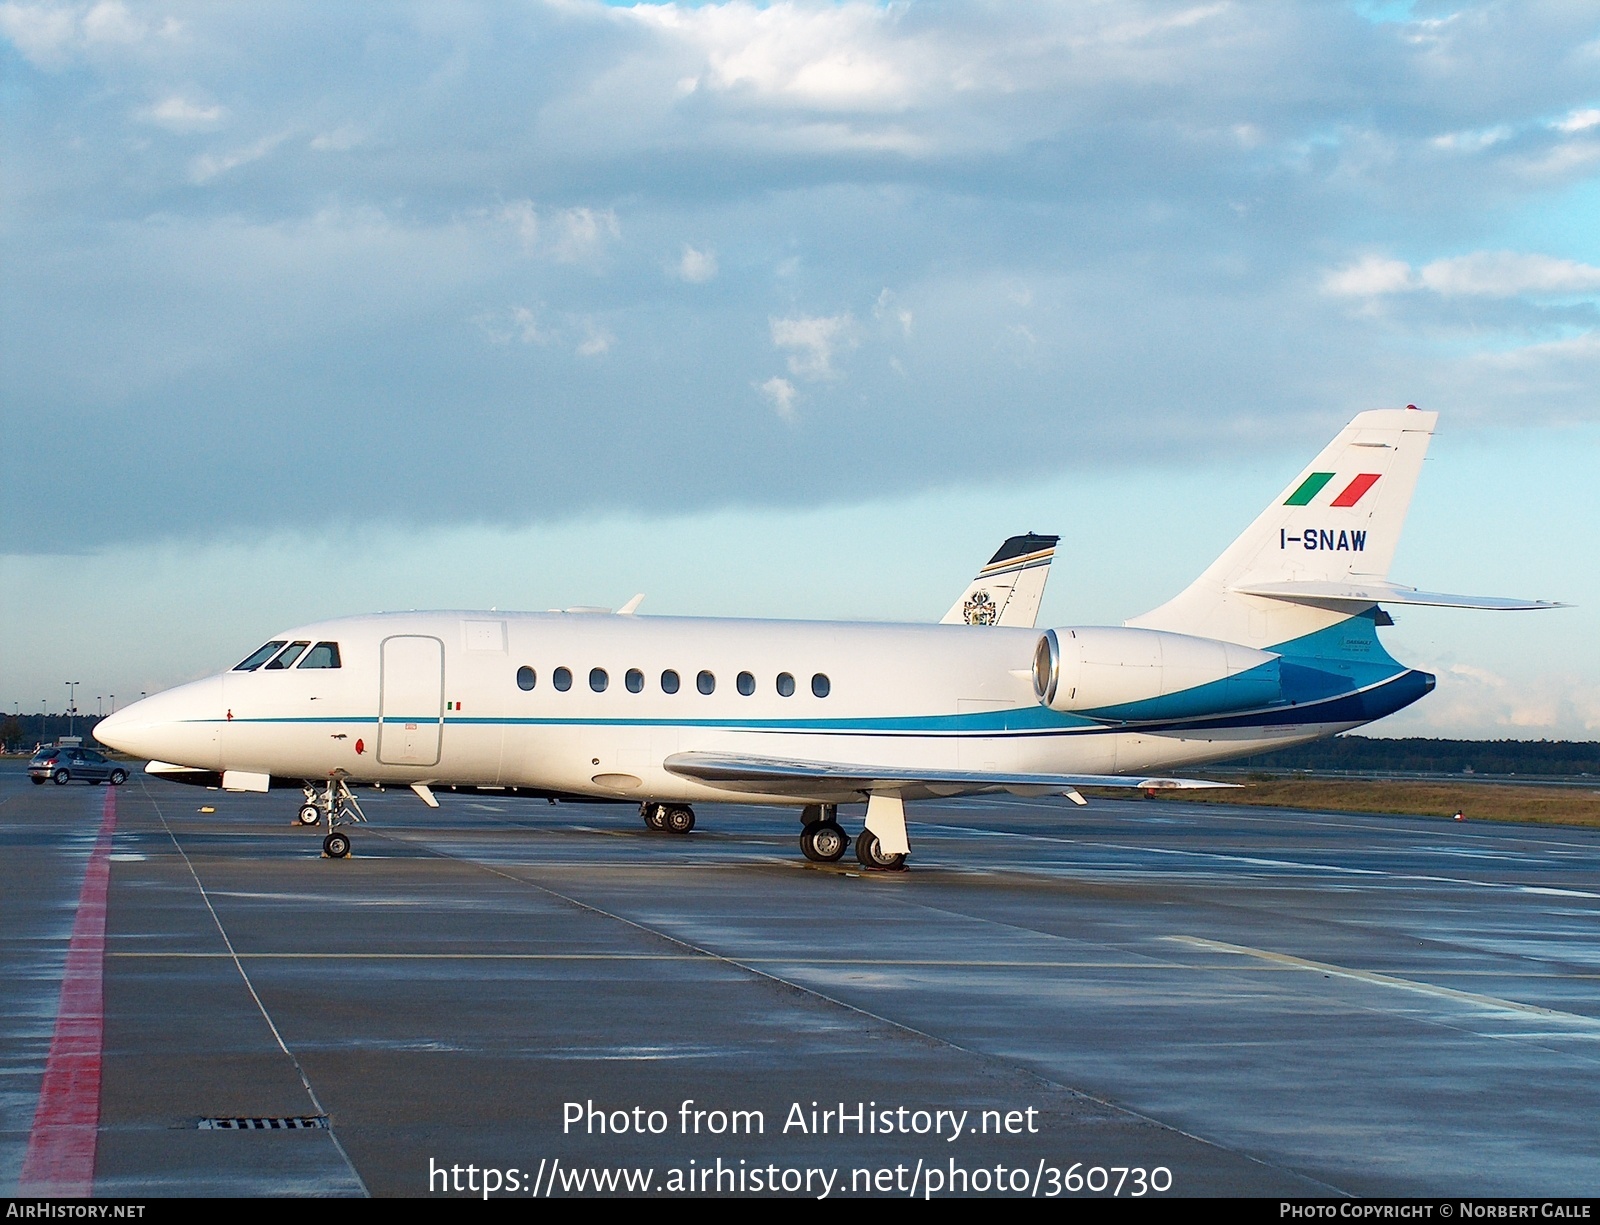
259,657
323,655
289,654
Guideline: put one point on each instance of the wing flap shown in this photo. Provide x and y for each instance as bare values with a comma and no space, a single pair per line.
741,772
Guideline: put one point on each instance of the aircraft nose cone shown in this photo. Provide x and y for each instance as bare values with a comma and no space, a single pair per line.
181,726
113,729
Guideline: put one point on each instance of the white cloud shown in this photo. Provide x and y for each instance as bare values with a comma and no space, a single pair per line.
523,218
844,56
781,394
1474,701
1504,274
111,22
888,307
341,140
519,324
1497,274
1369,276
581,233
209,165
696,266
596,340
812,341
50,34
43,33
179,114
569,235
1474,140
1579,121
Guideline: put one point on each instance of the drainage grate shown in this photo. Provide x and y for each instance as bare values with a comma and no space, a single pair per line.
291,1123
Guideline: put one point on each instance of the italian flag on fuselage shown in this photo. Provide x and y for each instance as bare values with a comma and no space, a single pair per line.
1312,486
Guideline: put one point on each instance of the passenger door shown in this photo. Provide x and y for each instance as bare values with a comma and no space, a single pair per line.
411,700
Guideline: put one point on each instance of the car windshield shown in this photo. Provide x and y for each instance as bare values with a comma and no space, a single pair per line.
259,656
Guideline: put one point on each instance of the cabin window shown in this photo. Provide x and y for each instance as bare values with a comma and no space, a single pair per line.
323,655
527,678
820,686
634,680
705,682
785,685
746,683
259,656
669,681
561,678
287,657
598,680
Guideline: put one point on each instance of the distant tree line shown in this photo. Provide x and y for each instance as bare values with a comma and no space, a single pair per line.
1419,755
18,732
1356,753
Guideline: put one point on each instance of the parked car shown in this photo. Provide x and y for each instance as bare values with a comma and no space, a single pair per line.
62,765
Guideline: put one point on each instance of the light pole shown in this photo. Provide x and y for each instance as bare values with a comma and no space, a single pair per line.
72,702
113,703
99,706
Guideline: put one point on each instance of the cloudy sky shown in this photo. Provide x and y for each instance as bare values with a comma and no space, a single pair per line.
786,309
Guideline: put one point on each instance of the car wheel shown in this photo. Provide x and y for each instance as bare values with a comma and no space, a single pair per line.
60,777
118,777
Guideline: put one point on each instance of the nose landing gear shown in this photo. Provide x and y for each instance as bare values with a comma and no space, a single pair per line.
337,805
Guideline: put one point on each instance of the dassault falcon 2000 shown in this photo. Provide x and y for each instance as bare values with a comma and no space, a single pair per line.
1275,644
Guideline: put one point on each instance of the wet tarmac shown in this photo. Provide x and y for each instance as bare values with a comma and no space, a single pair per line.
1255,1002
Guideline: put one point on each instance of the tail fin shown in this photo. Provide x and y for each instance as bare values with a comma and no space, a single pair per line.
1334,528
1007,591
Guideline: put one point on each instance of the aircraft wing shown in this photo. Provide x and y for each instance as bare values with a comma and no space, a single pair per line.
1379,591
745,773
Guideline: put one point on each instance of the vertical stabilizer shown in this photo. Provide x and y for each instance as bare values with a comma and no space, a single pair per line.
1337,522
1008,590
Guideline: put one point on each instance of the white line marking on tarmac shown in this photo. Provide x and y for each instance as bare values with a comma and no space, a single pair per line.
1256,861
1389,980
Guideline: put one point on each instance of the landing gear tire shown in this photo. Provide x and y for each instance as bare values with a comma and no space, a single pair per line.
336,846
680,820
60,778
872,855
310,814
656,819
118,777
824,842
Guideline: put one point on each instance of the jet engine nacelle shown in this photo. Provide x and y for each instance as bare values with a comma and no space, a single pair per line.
1120,673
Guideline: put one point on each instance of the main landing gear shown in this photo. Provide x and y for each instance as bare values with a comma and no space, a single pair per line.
823,840
667,818
336,805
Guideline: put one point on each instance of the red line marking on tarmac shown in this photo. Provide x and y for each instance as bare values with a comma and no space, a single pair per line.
61,1146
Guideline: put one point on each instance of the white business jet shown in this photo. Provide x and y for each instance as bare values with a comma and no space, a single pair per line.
1274,645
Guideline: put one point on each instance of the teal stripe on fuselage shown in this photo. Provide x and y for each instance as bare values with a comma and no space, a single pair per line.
1334,662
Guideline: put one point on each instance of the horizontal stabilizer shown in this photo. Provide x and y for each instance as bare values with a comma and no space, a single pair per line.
1377,591
775,773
